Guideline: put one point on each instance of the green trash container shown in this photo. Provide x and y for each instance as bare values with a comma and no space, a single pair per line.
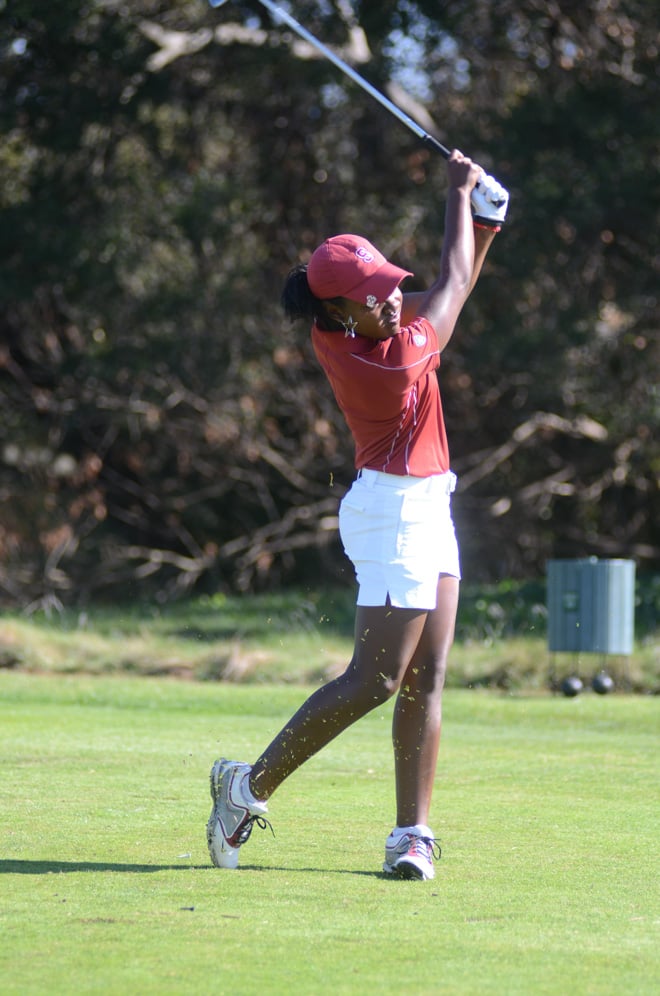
591,606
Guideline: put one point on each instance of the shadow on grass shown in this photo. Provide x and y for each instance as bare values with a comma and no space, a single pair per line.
16,867
55,867
317,870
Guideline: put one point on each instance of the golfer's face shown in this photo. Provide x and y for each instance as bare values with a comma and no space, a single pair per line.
382,320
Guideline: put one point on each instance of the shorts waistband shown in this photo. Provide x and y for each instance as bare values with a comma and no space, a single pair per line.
444,484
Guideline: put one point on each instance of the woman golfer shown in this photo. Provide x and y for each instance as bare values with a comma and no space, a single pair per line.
380,350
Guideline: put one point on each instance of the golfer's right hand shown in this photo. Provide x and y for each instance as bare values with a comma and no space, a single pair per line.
462,172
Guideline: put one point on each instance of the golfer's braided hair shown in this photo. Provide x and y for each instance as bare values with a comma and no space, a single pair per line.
299,302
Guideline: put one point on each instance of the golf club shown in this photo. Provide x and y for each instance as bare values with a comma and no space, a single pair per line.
281,15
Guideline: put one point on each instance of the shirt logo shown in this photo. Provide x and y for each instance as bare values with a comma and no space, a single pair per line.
364,254
419,340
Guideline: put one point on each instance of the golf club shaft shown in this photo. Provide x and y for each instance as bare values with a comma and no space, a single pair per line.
285,18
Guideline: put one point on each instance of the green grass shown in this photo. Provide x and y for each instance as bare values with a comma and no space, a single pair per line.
546,807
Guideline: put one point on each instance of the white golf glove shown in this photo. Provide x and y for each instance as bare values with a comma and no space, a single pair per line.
489,202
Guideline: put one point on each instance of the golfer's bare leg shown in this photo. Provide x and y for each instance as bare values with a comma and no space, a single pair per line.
385,641
418,711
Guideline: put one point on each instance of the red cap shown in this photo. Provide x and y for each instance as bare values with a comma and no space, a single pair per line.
349,266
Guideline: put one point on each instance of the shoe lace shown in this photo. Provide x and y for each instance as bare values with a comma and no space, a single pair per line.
246,829
428,847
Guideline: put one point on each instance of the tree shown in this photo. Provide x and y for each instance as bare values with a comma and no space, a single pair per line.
165,164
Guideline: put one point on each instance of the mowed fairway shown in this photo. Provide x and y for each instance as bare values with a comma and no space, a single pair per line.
547,809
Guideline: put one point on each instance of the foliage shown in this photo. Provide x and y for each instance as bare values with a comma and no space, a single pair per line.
307,636
165,165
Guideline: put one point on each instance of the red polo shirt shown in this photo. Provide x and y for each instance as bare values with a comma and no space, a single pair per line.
388,392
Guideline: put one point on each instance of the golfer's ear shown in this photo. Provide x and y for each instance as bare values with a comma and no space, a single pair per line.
334,312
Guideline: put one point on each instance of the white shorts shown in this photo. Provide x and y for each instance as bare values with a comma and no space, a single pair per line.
399,535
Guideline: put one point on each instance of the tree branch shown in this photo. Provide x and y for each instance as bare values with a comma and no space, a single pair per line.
488,461
172,44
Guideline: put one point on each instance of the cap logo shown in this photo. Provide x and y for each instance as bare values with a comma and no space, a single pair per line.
371,301
364,254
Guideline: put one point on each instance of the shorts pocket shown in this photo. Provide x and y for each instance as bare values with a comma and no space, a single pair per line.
354,526
367,518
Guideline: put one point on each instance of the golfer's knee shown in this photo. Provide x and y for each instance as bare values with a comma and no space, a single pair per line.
372,688
429,676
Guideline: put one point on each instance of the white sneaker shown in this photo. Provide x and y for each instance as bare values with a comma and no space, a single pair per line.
409,852
234,812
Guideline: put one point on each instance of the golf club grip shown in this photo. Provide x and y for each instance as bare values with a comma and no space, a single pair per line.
437,146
